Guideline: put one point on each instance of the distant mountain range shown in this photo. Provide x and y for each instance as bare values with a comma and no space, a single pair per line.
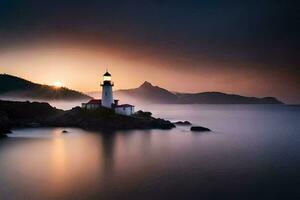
15,87
154,94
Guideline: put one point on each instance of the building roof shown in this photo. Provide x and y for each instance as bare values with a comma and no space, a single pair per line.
94,101
124,105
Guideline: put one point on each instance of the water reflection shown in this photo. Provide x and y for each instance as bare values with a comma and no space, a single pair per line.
253,151
107,148
58,166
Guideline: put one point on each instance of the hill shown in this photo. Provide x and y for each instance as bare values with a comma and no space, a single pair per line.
15,87
147,92
154,94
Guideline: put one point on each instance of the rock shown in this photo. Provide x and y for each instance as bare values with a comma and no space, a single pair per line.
4,125
105,119
3,136
143,114
162,124
199,129
183,123
4,130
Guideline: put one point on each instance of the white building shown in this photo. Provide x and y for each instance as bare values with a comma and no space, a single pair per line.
92,104
124,109
107,99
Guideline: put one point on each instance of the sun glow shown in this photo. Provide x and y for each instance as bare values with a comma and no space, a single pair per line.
57,84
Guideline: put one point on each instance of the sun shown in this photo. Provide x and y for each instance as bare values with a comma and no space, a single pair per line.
57,84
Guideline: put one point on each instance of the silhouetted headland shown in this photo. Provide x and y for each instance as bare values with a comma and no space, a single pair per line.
34,114
15,87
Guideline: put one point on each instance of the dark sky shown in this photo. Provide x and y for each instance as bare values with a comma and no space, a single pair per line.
261,35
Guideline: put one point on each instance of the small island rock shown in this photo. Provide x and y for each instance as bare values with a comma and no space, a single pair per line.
199,129
183,123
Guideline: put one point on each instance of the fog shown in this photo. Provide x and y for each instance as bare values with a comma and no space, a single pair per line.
60,104
69,104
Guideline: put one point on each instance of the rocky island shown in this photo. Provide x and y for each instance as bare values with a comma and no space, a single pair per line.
15,114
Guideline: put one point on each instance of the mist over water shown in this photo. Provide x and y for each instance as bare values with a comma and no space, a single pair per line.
69,104
252,152
60,104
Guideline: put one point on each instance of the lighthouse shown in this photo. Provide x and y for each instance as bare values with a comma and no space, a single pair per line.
108,100
107,93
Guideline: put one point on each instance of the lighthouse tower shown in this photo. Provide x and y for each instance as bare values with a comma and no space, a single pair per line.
107,93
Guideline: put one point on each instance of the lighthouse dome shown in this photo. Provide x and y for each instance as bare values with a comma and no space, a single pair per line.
107,74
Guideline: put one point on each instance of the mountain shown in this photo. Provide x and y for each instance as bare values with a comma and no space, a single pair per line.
15,87
222,98
148,92
154,94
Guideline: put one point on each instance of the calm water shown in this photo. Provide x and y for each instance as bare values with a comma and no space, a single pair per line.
253,151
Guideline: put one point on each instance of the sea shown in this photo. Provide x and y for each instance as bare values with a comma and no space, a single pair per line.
253,152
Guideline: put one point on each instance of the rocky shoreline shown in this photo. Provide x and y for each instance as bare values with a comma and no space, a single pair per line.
34,114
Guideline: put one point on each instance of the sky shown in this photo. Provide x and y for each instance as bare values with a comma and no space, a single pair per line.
247,47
